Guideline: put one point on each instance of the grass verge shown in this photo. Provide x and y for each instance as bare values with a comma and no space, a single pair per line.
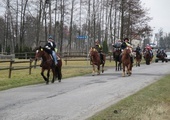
151,103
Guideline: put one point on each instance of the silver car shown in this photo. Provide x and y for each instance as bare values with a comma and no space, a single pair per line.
168,56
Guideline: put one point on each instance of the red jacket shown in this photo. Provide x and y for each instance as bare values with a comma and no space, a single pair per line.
148,47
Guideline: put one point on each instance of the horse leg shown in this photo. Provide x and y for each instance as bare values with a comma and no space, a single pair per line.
139,63
54,75
48,75
129,69
98,68
119,66
102,68
116,65
42,74
58,73
93,72
123,73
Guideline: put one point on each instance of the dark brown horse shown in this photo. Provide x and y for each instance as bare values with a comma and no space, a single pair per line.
48,64
138,58
95,60
117,58
126,61
161,56
147,56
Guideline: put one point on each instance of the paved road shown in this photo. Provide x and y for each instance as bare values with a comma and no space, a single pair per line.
76,98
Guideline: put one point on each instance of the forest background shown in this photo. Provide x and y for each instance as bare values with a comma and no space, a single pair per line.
74,24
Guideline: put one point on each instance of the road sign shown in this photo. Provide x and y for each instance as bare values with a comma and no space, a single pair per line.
81,37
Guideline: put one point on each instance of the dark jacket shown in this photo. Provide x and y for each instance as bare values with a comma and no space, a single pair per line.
98,48
50,45
138,48
123,46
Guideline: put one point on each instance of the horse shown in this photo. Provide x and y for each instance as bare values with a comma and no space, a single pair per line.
48,64
117,58
147,56
138,58
126,61
96,61
162,56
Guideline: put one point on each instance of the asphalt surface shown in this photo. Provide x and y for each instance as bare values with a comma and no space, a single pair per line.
76,98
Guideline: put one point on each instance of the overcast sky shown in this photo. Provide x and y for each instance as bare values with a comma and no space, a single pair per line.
159,10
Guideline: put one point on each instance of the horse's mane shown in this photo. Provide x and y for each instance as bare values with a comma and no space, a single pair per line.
126,52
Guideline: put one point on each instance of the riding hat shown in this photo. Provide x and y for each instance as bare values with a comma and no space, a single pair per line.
50,38
126,39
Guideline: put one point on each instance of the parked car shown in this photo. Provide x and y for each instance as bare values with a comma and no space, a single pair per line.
168,56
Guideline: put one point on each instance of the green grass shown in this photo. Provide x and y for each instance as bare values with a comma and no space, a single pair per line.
151,103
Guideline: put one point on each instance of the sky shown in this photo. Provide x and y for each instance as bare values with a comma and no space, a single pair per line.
159,10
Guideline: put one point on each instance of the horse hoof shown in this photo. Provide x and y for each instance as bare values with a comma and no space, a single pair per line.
47,82
59,80
123,75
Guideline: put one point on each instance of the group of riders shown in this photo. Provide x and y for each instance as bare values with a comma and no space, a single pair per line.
122,45
50,47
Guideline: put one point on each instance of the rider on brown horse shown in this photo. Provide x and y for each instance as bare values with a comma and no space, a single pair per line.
99,49
125,44
138,49
149,48
116,46
50,48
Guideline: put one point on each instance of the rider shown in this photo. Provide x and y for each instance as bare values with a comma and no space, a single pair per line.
163,53
149,48
116,46
158,52
99,49
138,49
51,46
125,44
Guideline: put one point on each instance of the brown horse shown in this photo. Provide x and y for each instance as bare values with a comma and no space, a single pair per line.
117,58
126,61
138,58
48,64
147,56
96,61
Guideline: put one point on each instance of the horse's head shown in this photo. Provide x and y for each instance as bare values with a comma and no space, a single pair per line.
127,50
39,53
92,51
